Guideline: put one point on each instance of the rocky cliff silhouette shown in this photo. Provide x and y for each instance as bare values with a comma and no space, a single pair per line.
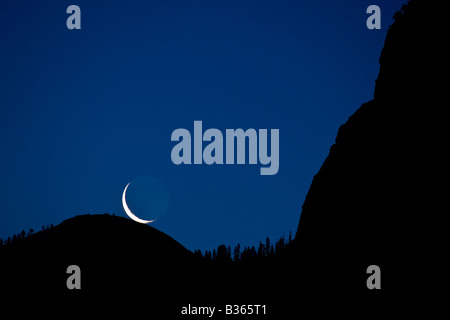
377,198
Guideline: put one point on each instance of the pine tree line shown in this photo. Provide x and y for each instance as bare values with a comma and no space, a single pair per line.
21,235
265,251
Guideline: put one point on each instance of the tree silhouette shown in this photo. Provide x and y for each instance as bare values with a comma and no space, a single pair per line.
207,256
223,255
252,253
260,252
198,254
266,251
237,253
267,247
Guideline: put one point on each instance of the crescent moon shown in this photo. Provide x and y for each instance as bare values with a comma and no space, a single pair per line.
128,211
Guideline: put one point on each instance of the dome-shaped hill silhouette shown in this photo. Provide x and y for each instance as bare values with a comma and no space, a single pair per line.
112,252
377,200
103,234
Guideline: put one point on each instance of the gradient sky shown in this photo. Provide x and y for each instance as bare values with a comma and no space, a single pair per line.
83,112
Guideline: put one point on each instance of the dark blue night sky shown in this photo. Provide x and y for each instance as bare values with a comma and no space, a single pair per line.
84,112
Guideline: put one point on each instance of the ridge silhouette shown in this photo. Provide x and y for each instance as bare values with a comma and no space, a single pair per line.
375,200
377,197
100,244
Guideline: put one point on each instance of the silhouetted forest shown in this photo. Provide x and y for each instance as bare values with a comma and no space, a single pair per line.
376,200
265,252
21,235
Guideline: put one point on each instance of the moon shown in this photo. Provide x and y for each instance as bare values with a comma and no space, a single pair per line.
128,211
